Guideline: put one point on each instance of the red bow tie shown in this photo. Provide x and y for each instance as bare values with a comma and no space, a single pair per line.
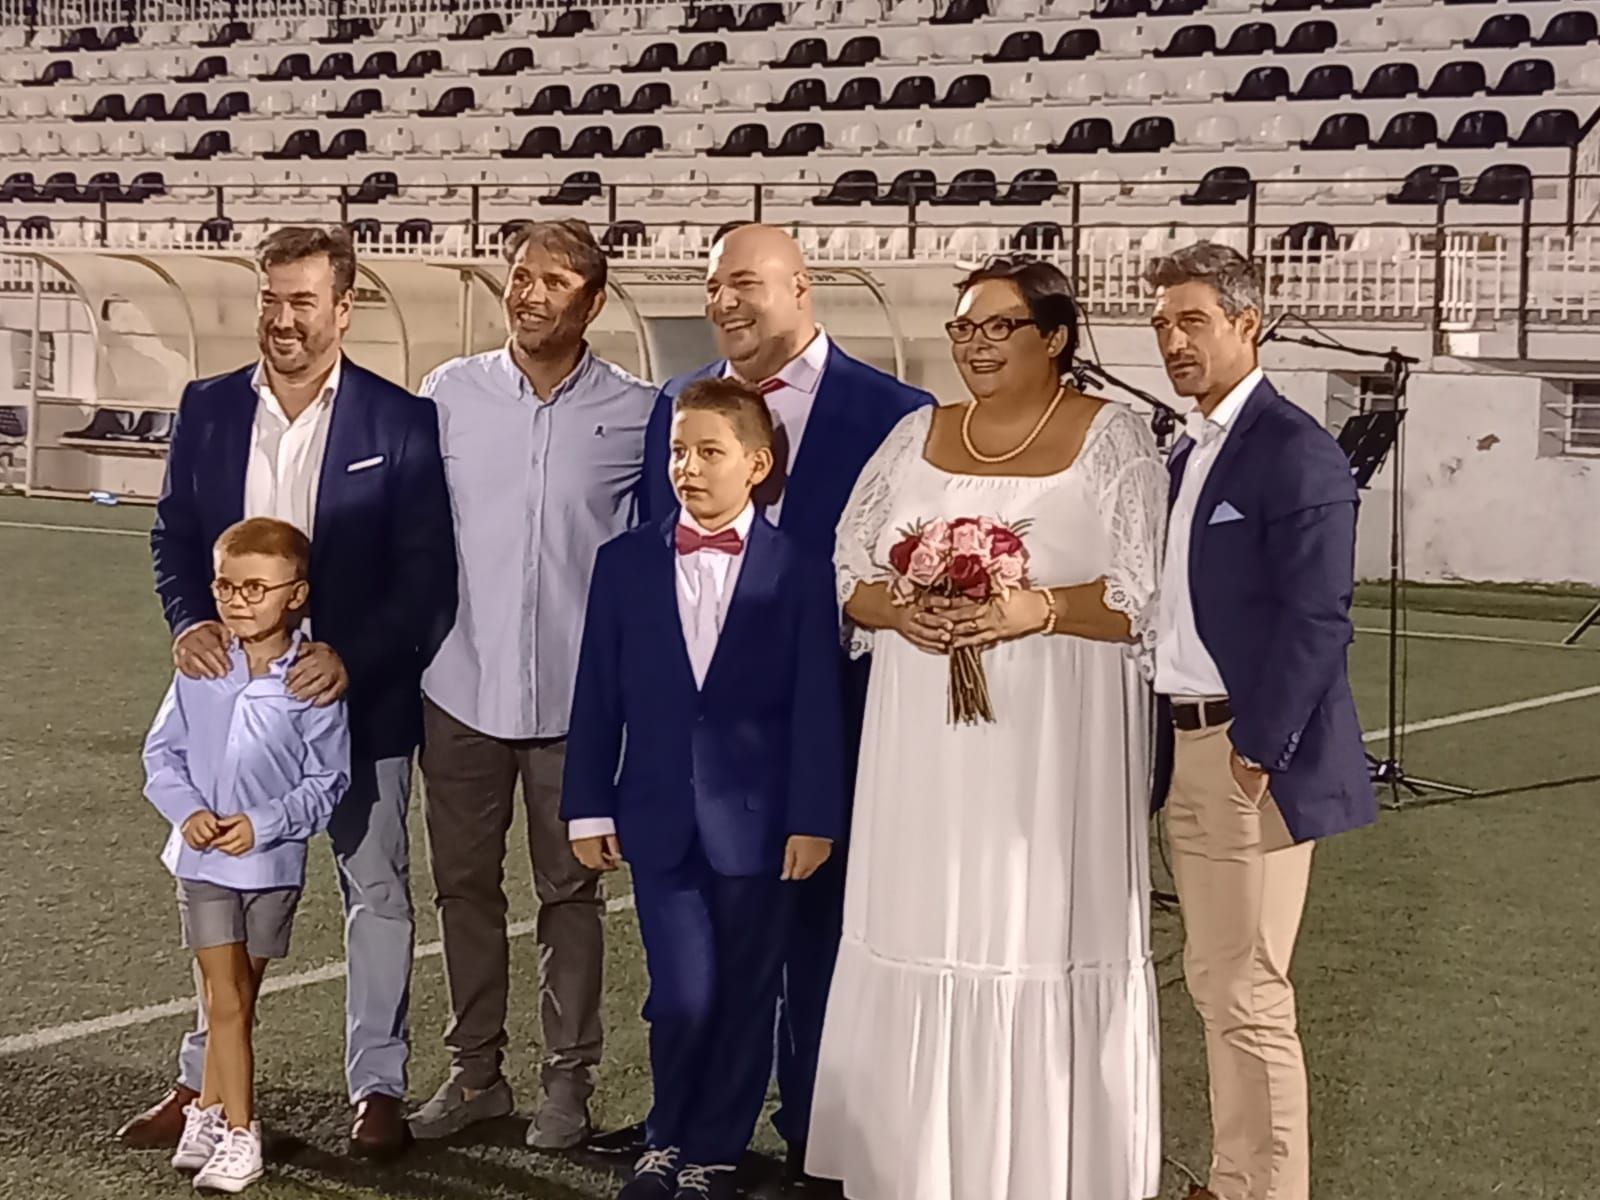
690,540
767,387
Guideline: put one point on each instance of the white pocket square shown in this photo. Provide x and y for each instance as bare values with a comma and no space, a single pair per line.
1224,513
364,464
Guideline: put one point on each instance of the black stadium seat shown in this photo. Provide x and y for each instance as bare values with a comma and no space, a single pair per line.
145,185
1220,185
1526,77
1075,45
1392,81
1480,129
191,106
1023,45
1458,79
1176,8
1550,127
759,18
1121,8
640,141
152,106
540,142
624,234
1306,236
232,104
600,98
1311,37
570,23
975,185
711,18
57,72
62,187
855,187
744,141
913,91
1038,236
423,62
916,185
380,64
1262,83
965,91
551,99
592,141
1341,131
214,231
376,187
578,188
800,140
418,230
113,106
361,103
1148,135
1578,28
802,96
512,62
480,26
705,56
86,38
346,142
302,143
1032,186
857,94
1502,31
1332,81
341,64
290,67
103,186
230,34
1190,42
451,103
19,188
1502,183
649,98
804,52
348,30
962,12
213,66
657,56
858,52
212,143
1086,135
1408,131
1288,6
1252,38
1337,4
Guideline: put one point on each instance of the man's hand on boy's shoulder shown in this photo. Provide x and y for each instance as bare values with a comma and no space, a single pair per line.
201,650
602,853
318,674
236,835
802,855
200,829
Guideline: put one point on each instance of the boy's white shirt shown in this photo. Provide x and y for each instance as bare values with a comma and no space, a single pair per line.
706,580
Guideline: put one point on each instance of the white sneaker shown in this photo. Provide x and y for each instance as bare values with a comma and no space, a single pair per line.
236,1162
202,1130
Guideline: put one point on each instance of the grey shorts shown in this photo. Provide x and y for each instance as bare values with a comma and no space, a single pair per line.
212,915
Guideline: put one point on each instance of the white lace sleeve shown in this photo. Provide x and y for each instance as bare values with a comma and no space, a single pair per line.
1130,483
860,528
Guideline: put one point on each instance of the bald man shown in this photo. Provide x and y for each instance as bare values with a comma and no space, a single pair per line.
830,413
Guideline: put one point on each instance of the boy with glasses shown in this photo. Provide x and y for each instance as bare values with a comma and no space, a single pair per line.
246,774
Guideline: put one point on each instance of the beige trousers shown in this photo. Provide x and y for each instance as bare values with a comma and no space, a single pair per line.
1242,884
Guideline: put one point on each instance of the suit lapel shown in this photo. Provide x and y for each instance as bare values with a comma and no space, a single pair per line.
1233,445
758,576
824,431
231,457
660,584
348,440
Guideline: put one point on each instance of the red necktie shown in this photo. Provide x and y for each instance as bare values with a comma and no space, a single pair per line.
690,540
770,386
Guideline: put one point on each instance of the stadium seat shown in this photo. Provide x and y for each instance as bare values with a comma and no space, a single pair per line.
540,142
1075,45
578,188
1114,9
855,95
61,187
514,61
345,143
859,51
1503,30
147,185
961,12
1147,135
210,144
416,231
592,141
1191,41
1288,6
1392,81
599,99
1176,8
1262,83
1308,238
213,66
853,187
35,229
1023,45
802,96
19,188
1481,129
230,34
1037,237
1332,81
1550,127
551,99
974,185
914,186
649,98
641,141
103,187
1086,135
913,91
1341,131
1031,187
1576,28
290,67
965,91
1408,131
422,64
231,105
110,107
480,26
758,18
705,55
376,187
452,102
1458,79
380,64
1220,186
1502,183
214,231
658,56
191,106
340,64
744,141
1311,37
53,73
1253,38
1526,77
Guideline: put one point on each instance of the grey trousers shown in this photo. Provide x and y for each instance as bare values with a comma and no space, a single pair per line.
471,783
368,832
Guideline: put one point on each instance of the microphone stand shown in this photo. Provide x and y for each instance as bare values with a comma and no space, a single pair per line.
1388,770
1163,417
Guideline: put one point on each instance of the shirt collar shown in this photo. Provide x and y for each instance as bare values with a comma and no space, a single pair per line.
264,393
278,668
574,379
802,372
741,524
1224,414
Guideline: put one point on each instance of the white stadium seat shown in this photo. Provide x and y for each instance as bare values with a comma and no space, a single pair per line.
396,142
68,105
910,12
10,143
915,136
171,67
442,140
858,137
466,60
253,143
277,103
505,98
1031,134
131,68
617,19
94,68
32,106
1202,86
491,141
1014,10
754,52
313,29
1144,86
912,47
704,94
1026,88
1282,130
85,143
663,18
45,144
752,94
1086,86
693,140
129,143
606,56
970,136
1441,32
1214,133
857,12
320,101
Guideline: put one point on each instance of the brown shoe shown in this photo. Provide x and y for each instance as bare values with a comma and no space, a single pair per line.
379,1131
159,1127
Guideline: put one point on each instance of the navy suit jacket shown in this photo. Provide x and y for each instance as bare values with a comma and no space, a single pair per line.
737,765
383,558
1271,593
855,407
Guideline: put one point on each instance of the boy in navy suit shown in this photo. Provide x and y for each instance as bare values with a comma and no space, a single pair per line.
710,649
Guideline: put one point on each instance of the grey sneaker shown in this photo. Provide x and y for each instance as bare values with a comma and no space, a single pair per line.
450,1111
561,1123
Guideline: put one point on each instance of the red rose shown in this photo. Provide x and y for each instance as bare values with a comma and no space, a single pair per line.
1003,541
900,555
969,576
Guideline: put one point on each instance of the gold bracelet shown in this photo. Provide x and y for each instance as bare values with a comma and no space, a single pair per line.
1050,605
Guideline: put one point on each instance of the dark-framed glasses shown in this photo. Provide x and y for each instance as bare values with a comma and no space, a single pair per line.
251,591
995,329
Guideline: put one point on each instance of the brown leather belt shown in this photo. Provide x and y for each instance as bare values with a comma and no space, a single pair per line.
1193,715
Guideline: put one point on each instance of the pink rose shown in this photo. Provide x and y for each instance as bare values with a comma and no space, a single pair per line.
1009,570
936,536
968,538
1003,541
925,567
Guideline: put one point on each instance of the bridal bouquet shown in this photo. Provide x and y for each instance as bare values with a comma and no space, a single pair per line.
973,558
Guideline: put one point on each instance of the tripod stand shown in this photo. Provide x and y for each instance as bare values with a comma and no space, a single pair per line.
1582,627
1367,440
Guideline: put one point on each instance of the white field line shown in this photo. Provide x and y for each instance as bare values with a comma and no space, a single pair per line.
1475,637
74,529
73,1031
1486,714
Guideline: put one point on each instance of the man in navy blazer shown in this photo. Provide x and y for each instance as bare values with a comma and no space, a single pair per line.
1259,749
831,412
353,461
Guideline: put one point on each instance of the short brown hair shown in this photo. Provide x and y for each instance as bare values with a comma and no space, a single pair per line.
570,239
296,243
270,538
740,402
1229,273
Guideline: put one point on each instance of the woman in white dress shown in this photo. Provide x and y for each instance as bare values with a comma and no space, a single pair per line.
991,1032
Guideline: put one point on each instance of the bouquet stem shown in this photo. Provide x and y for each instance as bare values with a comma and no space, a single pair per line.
969,688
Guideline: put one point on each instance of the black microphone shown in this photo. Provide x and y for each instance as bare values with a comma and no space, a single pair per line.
1271,331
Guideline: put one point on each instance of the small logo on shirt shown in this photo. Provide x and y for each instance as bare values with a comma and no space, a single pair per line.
599,431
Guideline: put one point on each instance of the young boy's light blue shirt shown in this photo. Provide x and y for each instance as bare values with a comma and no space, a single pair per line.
243,745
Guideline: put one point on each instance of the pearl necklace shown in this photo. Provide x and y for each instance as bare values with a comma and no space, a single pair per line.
966,431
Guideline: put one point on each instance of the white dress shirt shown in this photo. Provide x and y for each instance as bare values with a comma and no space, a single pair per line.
790,402
285,465
1184,667
706,580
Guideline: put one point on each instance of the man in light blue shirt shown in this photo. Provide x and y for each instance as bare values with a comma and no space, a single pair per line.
543,444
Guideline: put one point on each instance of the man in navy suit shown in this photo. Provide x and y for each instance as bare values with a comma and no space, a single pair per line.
1259,749
353,461
710,652
830,413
